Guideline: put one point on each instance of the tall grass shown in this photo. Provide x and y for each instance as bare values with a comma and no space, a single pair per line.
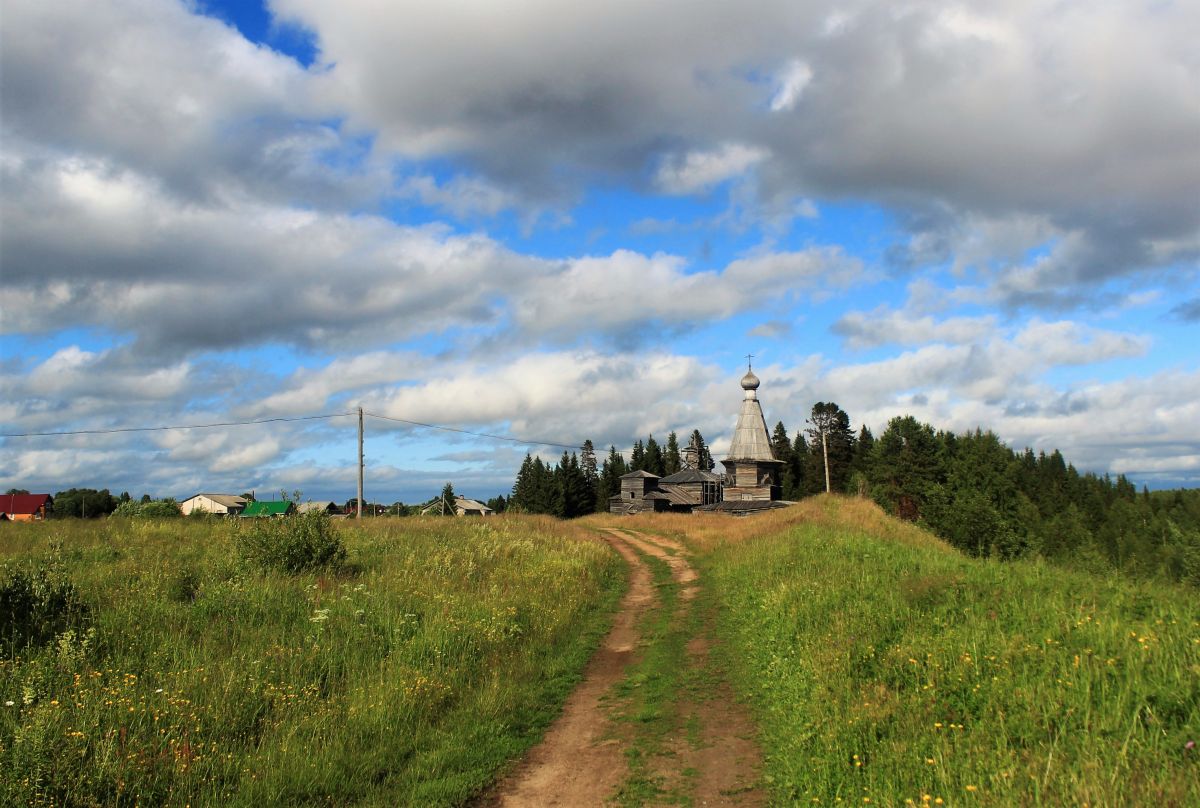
885,669
436,653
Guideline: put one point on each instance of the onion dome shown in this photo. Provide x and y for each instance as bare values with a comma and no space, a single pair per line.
750,381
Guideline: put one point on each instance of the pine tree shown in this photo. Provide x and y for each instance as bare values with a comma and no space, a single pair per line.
446,506
572,488
522,490
671,459
834,439
781,448
542,488
610,477
653,461
905,469
591,477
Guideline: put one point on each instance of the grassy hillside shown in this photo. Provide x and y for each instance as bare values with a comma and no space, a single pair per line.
886,668
187,675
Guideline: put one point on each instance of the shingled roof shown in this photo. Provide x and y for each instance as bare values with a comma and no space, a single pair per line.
751,441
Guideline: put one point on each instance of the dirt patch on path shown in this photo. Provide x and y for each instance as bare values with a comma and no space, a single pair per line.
712,758
579,762
706,755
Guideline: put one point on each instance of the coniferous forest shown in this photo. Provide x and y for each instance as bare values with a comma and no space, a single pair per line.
978,494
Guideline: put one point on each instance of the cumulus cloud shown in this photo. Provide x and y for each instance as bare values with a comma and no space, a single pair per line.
998,115
791,83
700,170
885,326
626,291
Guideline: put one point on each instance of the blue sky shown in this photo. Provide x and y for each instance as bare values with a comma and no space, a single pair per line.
570,222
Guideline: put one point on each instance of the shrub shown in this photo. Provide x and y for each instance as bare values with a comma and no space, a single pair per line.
37,606
154,509
292,543
184,586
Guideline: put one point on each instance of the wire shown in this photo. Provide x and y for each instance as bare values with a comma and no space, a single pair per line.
469,432
165,428
282,419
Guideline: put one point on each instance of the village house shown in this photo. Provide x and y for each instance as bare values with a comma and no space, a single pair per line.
216,504
462,507
25,507
327,506
680,492
256,508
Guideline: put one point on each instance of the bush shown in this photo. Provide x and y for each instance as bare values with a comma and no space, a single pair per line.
154,509
292,543
37,606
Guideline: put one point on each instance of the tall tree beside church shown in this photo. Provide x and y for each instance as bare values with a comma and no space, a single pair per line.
653,462
610,477
637,458
799,475
672,461
781,447
860,466
906,469
833,439
591,475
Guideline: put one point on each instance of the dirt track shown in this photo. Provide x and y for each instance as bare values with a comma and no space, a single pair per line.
707,756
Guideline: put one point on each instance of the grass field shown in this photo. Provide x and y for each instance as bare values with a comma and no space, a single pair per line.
435,654
886,669
882,667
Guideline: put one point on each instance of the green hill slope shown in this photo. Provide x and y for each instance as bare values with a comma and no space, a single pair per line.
885,668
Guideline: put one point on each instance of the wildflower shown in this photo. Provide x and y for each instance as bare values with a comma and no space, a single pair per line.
972,788
1190,745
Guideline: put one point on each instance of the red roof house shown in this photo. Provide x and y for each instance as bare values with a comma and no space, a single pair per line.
24,507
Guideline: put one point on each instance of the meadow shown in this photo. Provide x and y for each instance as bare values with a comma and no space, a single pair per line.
885,668
173,669
178,662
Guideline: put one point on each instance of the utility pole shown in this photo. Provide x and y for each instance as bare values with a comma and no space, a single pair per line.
360,462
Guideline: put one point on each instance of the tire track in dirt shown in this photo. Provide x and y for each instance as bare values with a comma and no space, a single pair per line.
580,761
715,738
709,756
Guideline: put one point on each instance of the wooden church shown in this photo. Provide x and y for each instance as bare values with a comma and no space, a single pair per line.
750,482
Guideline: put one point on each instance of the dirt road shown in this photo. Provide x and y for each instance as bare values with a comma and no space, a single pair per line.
653,722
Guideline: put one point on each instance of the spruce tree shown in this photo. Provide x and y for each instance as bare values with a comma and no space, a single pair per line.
800,457
446,506
671,459
610,478
653,461
637,459
591,477
834,440
522,490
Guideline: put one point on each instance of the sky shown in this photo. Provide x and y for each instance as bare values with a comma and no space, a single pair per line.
566,221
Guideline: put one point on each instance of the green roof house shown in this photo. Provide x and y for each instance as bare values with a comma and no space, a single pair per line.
269,509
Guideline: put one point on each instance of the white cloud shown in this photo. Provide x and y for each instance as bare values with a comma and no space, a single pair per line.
700,170
792,81
885,326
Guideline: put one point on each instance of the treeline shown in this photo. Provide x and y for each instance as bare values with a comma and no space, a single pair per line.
991,501
578,484
972,490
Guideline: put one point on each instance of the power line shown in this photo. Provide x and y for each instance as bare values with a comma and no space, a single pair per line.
166,428
470,432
